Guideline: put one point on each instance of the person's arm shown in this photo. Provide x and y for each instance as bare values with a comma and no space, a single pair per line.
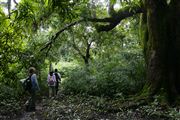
35,85
59,76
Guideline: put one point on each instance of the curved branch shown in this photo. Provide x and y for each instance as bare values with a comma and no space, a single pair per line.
114,20
111,22
102,20
15,2
53,38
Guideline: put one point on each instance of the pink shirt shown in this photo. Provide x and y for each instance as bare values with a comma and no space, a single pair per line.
54,79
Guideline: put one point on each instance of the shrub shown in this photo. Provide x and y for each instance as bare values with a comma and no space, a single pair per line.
9,101
107,77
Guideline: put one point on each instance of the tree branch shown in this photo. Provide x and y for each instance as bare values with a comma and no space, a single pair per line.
111,22
9,7
53,38
114,20
77,49
3,3
15,2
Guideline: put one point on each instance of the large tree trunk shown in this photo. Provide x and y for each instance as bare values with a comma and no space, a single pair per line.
162,47
176,30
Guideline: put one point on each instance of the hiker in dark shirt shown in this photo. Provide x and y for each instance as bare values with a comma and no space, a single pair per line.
58,80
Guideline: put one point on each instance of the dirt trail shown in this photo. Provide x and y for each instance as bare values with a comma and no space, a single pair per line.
36,115
82,108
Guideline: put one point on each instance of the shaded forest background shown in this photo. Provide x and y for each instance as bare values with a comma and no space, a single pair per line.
64,34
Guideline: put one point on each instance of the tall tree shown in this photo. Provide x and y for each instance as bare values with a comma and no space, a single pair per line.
159,31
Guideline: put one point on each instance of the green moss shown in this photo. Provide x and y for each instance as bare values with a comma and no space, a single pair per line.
144,35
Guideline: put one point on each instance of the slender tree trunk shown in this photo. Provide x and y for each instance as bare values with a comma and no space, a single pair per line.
50,67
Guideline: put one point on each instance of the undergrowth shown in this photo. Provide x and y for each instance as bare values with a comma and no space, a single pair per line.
10,104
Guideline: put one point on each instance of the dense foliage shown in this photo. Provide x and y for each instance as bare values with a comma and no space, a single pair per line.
108,77
104,66
10,104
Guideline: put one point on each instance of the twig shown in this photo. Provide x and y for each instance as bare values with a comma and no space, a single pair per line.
53,38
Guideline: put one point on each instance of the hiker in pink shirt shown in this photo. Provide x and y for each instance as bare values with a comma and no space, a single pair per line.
51,80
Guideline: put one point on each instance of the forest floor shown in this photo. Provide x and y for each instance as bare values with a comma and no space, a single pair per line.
78,107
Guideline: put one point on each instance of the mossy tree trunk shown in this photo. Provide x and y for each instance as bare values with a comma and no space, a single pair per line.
162,46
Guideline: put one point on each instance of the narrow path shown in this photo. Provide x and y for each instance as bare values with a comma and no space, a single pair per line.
36,115
77,107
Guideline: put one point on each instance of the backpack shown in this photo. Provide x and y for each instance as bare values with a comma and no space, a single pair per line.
51,81
27,84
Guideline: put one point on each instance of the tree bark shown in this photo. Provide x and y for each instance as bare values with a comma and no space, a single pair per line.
174,23
156,25
162,50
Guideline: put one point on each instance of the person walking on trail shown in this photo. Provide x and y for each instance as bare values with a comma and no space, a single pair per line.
58,80
51,83
34,87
